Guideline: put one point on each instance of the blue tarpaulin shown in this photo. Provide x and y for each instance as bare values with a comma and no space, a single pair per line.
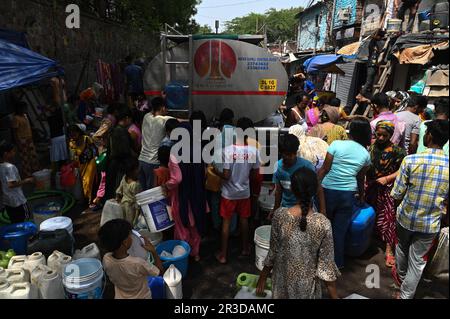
321,62
20,66
17,38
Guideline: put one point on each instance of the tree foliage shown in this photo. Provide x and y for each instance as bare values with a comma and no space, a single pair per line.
281,24
145,15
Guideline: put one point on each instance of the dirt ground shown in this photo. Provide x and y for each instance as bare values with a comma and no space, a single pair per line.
208,279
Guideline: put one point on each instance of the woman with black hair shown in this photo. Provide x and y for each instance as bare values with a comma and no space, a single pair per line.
342,176
301,246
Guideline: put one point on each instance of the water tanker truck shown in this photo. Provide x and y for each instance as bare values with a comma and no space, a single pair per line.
213,72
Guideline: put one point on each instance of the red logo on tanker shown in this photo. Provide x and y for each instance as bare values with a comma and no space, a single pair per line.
215,58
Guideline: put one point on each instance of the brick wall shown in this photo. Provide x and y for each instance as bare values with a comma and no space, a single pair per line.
48,35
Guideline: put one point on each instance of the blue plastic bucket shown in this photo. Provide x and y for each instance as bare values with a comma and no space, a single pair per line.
84,279
16,237
157,287
180,262
424,15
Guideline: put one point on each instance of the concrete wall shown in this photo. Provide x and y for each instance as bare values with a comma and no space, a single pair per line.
307,35
48,35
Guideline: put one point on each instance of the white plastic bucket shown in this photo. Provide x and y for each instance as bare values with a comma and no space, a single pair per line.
83,279
155,238
156,209
43,180
394,25
55,223
262,245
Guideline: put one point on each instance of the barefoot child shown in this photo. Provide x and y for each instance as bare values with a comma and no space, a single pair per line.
128,274
128,189
240,161
11,184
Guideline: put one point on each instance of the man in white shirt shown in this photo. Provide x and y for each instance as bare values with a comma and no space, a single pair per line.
416,105
153,132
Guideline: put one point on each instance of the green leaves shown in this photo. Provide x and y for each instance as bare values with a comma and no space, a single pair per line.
281,24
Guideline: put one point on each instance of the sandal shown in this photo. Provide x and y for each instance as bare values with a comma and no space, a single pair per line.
222,260
390,260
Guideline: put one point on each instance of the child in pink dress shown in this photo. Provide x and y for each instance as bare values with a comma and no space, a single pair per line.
169,176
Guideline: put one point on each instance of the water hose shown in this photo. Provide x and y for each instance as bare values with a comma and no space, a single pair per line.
69,202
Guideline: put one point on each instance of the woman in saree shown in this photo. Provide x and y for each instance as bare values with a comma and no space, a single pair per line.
386,159
328,129
83,153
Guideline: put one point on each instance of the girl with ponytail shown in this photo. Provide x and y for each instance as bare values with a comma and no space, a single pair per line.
301,252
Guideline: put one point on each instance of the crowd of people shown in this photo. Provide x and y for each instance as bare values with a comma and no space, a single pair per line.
396,162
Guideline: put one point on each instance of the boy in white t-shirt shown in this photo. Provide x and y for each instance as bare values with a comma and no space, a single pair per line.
13,198
240,160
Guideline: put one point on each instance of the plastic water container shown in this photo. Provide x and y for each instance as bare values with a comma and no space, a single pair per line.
156,209
16,276
90,251
43,212
56,223
43,180
177,95
83,279
360,231
251,281
50,285
250,293
266,203
17,291
16,237
355,296
33,261
157,287
49,241
17,262
5,289
174,286
155,238
181,262
112,210
262,245
394,25
36,275
57,261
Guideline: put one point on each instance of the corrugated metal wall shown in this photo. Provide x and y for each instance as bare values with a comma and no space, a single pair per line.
346,84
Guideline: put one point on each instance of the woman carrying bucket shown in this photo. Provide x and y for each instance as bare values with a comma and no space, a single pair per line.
301,247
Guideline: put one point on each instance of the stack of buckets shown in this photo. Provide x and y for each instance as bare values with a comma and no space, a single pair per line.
84,279
262,245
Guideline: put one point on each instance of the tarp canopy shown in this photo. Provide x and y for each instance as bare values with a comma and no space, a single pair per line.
14,37
319,63
358,50
20,66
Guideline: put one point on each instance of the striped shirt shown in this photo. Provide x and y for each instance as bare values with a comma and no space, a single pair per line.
423,184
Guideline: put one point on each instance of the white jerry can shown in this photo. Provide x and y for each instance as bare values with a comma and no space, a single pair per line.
174,286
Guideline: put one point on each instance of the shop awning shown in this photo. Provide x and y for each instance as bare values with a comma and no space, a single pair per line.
320,63
421,54
20,66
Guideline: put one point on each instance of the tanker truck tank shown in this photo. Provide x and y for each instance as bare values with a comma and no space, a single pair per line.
226,73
